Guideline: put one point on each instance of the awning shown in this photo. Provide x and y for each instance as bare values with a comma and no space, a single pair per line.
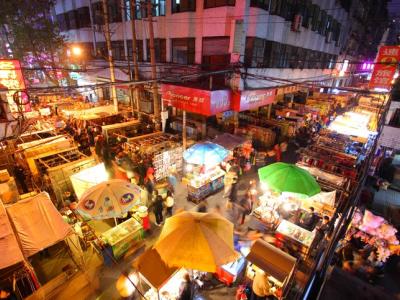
272,260
252,99
151,266
229,141
38,223
9,248
203,102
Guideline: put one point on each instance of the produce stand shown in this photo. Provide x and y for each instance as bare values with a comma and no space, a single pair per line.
60,165
156,278
201,185
123,237
165,149
278,265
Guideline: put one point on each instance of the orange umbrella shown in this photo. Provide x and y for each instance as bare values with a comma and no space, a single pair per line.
198,241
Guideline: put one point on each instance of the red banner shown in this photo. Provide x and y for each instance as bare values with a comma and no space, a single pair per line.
197,101
252,99
385,67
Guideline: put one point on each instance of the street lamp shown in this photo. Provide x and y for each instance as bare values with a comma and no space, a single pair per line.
76,50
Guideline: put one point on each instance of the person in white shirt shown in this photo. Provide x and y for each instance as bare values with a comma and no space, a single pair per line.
169,203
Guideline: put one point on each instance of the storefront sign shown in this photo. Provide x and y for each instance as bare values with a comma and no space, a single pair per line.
11,77
385,67
246,100
203,102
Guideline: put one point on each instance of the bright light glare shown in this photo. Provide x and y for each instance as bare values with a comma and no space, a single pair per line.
76,50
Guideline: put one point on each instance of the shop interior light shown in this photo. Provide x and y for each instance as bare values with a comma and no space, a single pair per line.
124,284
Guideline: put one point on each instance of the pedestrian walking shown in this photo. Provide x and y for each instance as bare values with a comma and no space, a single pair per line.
158,208
21,178
203,206
246,205
169,203
234,192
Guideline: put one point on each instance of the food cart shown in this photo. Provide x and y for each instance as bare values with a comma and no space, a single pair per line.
156,278
124,237
278,265
295,239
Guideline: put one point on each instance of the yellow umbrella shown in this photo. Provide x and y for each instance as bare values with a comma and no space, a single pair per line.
198,241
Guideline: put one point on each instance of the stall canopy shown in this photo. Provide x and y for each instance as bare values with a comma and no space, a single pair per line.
38,224
203,102
149,261
272,260
229,141
9,248
88,178
252,99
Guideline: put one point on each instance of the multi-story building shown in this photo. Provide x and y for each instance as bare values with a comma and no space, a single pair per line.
272,42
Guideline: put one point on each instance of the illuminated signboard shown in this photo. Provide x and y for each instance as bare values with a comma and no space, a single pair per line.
11,77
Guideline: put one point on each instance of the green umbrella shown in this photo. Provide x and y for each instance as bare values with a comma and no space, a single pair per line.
283,177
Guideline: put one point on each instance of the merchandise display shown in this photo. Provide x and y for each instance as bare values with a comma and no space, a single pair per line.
201,185
295,232
123,236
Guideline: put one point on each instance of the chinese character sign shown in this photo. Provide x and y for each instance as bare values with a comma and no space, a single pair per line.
385,67
11,77
253,99
197,101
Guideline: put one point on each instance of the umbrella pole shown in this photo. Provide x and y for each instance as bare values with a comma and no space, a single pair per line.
115,220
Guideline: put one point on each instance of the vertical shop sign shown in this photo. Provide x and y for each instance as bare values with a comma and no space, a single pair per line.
11,77
385,67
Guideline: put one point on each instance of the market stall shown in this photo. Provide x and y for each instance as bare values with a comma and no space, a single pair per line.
124,130
279,267
59,166
160,285
87,178
123,237
165,152
203,174
262,137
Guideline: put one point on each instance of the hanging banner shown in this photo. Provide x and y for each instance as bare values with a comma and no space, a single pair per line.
203,102
252,99
385,67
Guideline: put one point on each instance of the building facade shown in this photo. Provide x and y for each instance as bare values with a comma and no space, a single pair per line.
273,42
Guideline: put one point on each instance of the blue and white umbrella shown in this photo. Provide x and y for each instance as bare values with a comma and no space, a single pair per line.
206,153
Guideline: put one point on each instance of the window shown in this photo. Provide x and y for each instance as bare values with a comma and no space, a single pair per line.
118,50
114,11
183,5
158,8
322,22
263,4
160,48
218,3
139,49
72,19
183,51
315,17
83,17
62,22
97,10
215,53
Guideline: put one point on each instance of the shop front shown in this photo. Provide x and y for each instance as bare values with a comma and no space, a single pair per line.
200,103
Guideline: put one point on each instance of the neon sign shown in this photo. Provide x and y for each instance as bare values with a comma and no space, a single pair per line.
11,77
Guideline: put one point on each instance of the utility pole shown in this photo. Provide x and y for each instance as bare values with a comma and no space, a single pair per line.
110,57
134,54
153,65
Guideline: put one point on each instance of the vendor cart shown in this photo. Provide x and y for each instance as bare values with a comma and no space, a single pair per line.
156,278
278,265
124,237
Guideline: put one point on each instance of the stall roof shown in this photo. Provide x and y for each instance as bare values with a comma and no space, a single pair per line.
272,260
229,141
9,248
151,266
37,223
120,125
